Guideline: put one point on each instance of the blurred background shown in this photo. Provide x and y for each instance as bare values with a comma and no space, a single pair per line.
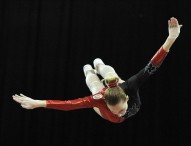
44,45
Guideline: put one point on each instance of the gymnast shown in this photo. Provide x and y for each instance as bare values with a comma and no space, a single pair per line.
112,98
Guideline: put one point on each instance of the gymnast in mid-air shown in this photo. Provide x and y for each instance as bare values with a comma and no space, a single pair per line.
112,98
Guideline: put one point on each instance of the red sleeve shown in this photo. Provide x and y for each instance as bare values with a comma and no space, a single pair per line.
66,105
159,57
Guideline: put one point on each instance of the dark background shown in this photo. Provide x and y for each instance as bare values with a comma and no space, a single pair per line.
44,46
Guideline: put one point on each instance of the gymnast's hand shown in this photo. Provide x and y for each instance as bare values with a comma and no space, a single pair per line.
173,28
24,101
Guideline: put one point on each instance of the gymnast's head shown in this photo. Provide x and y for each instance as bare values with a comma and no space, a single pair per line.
115,97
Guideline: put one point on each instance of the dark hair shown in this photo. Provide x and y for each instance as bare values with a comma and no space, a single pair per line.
114,93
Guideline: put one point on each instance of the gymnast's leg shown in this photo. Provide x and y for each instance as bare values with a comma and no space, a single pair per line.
105,70
92,80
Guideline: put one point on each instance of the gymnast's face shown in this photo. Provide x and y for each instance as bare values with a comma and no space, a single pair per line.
119,109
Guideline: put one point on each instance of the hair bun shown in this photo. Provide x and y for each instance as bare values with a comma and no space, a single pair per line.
112,81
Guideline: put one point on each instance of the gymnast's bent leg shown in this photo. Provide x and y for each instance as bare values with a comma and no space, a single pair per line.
105,70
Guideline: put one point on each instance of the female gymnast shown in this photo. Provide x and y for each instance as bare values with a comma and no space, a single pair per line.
112,98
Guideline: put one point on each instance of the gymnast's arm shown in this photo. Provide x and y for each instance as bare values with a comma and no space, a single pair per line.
66,105
156,61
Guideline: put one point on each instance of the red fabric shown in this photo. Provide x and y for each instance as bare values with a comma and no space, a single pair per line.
86,102
159,57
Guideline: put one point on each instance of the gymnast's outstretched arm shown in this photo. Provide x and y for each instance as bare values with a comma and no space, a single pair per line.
66,105
156,61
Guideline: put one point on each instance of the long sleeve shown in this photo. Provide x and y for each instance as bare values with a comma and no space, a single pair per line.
152,66
66,105
135,81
